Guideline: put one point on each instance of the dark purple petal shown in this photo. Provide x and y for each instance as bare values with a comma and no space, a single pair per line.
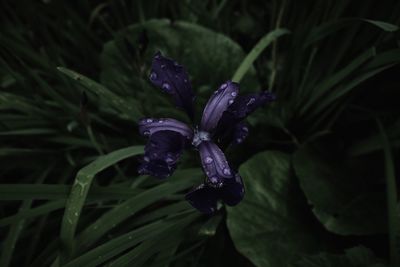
233,191
217,104
214,164
173,79
204,198
149,126
244,105
162,153
240,133
228,131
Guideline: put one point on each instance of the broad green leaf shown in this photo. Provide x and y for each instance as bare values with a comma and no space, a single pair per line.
268,226
334,190
81,187
353,257
210,58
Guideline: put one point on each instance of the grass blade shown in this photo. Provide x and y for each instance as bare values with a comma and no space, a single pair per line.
80,190
256,51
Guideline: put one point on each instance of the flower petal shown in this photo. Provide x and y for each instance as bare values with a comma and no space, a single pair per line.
217,104
233,191
244,105
229,129
204,198
149,126
162,153
214,164
240,133
173,79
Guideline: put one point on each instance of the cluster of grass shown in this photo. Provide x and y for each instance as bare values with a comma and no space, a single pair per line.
319,164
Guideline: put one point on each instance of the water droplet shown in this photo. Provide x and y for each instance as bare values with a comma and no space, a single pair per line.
149,120
251,101
230,102
244,128
208,160
153,76
166,87
163,66
160,121
214,180
146,133
147,159
169,160
239,140
226,171
185,80
234,94
223,86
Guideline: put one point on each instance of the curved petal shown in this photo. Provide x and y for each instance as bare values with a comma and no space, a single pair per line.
233,191
204,198
149,126
173,79
244,105
214,164
240,133
229,129
217,104
162,153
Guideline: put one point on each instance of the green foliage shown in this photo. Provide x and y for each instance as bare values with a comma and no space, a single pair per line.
319,165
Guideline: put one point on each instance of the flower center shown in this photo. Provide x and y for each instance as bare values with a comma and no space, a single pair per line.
200,136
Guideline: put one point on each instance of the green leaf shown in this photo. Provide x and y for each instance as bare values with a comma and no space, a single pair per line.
81,187
268,225
353,257
256,51
209,57
383,25
332,186
128,108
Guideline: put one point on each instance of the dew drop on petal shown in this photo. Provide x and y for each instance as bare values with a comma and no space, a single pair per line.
208,160
160,121
226,171
163,66
166,87
214,180
244,128
230,102
147,159
251,101
146,133
149,120
239,140
234,94
223,86
153,76
169,159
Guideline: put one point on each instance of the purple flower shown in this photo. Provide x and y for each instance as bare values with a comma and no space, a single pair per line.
221,125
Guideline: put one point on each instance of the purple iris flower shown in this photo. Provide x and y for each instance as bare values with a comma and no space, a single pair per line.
221,125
